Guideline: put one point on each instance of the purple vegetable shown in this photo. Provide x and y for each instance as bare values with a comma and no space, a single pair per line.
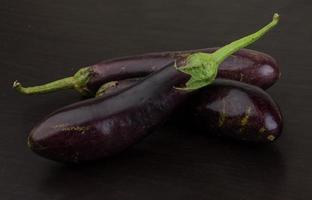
245,65
226,108
101,127
237,110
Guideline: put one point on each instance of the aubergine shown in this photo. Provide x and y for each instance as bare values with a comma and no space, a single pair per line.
236,110
246,65
97,128
100,127
227,108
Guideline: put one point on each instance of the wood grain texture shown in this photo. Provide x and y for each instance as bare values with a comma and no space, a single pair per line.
45,40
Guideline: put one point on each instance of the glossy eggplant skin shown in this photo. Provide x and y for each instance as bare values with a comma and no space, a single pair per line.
103,126
236,110
246,65
227,108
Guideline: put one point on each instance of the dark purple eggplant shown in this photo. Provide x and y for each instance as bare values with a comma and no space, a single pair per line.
226,108
103,126
237,110
246,65
100,127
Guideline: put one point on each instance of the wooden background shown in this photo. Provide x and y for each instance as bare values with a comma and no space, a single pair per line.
42,40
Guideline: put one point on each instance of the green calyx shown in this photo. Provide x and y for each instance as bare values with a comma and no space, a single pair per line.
203,67
81,79
78,82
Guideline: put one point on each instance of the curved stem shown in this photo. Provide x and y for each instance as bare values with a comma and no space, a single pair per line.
203,67
222,53
78,82
66,83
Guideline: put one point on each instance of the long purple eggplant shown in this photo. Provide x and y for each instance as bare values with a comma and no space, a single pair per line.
226,108
100,127
246,65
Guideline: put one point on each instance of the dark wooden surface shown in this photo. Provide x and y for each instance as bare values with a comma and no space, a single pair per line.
45,40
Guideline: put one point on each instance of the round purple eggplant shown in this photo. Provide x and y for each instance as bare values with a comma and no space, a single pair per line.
237,110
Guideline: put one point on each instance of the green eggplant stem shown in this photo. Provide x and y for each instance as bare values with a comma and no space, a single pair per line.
222,53
203,67
78,82
66,83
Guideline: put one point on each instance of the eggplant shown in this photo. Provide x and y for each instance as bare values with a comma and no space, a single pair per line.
236,110
97,128
246,65
100,127
227,108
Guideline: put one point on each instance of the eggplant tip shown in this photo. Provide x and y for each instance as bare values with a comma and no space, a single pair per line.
276,16
16,84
